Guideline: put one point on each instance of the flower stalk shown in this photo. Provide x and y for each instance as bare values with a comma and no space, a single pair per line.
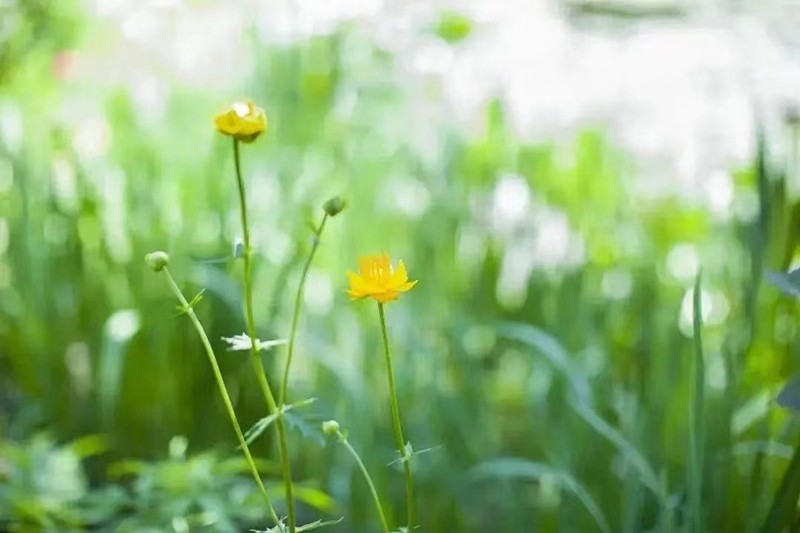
258,365
405,456
159,264
331,427
296,312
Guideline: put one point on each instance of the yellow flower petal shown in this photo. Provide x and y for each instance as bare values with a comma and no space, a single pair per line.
377,279
242,120
399,276
407,286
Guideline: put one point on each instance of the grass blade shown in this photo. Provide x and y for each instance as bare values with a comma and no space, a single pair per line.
697,416
552,350
784,506
516,468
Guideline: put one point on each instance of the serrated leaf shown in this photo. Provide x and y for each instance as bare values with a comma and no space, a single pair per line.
261,425
280,528
308,425
318,524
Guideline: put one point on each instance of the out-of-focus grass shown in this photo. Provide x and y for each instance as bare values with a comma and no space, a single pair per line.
546,355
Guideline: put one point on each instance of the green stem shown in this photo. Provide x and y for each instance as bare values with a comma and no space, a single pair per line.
258,365
697,416
398,429
296,313
367,477
226,399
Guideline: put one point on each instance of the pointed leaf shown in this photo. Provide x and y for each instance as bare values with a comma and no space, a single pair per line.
308,425
318,524
516,468
789,396
280,528
786,282
258,428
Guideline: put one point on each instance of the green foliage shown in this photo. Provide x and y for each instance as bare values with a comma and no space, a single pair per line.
32,32
202,492
569,392
43,486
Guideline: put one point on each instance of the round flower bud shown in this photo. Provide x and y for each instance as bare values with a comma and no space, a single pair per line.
334,206
330,427
243,121
157,260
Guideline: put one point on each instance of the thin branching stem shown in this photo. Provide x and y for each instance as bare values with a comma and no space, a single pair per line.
226,399
367,478
255,357
296,312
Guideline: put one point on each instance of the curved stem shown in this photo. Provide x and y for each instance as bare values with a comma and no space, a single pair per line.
367,477
296,313
255,358
398,429
226,399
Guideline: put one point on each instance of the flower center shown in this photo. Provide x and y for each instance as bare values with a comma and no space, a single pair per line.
241,109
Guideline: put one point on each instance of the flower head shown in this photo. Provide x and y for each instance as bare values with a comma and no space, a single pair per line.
157,260
378,280
330,427
242,120
334,206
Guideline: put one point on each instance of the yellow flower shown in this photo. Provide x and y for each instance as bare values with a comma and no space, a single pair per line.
242,120
377,279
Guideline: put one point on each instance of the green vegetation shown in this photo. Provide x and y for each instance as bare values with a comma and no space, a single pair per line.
599,393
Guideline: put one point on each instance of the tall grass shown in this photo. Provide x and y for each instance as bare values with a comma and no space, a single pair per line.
560,405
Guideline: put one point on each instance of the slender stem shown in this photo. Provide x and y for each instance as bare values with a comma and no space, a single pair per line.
258,365
360,463
226,399
697,416
398,429
296,313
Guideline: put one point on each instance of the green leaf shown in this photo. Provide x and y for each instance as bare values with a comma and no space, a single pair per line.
768,448
629,452
258,428
789,396
552,350
784,506
183,309
315,498
516,468
307,424
280,528
788,283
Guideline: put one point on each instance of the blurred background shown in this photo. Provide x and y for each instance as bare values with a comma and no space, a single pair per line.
555,173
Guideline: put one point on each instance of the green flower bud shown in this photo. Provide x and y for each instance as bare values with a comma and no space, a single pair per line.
334,206
157,260
330,427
